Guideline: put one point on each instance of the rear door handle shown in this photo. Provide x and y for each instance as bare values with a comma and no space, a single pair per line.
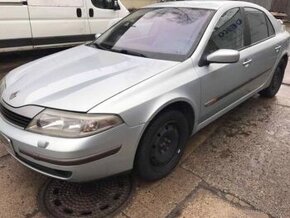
247,62
277,49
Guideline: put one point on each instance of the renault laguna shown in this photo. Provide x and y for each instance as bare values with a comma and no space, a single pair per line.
131,99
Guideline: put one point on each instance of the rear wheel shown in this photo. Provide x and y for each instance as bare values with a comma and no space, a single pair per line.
276,82
162,145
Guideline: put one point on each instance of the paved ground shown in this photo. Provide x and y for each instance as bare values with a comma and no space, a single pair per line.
239,166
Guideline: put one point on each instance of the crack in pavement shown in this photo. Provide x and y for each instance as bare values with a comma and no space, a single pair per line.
235,201
4,156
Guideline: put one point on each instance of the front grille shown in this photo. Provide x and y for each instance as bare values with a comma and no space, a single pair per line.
14,118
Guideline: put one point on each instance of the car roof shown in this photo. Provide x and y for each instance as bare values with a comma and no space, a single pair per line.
206,4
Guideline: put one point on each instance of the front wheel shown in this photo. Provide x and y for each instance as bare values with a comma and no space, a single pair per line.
162,146
276,82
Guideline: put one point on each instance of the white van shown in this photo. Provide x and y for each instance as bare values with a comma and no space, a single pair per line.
32,24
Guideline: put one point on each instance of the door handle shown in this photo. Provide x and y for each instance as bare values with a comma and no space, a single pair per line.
79,12
247,62
277,49
91,12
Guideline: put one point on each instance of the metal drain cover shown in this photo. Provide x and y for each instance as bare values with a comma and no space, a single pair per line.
96,199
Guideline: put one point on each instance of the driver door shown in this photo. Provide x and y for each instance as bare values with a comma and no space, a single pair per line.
222,84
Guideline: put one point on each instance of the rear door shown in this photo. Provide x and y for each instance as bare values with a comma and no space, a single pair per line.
100,15
263,49
14,25
58,22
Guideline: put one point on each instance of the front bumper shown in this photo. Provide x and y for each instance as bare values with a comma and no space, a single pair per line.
76,160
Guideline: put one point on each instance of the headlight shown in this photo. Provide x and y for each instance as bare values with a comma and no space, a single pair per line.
2,86
71,125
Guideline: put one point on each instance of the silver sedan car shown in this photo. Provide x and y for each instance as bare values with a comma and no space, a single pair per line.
131,99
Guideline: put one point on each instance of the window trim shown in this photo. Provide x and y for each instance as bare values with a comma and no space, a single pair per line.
248,28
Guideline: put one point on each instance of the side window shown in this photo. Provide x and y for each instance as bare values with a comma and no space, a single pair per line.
271,30
105,4
228,33
257,23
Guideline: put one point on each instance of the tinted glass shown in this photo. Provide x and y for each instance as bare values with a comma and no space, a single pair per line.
257,23
228,33
162,33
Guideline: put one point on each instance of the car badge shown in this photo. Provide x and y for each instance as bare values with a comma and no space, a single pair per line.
13,95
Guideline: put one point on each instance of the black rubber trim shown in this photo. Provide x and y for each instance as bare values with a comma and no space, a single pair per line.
50,171
70,162
8,43
13,3
216,99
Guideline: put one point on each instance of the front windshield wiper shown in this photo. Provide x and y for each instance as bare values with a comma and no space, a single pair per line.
129,52
97,45
123,51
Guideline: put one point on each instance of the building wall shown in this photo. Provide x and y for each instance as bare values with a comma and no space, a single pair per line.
137,3
130,4
140,3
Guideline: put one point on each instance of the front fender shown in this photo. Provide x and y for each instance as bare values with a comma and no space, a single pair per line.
140,104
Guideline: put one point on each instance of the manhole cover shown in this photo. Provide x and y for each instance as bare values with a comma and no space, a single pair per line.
97,199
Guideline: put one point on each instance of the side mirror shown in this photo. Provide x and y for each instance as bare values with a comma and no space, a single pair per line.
225,56
98,35
112,4
116,5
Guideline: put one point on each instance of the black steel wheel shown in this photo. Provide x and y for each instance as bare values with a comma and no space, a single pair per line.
162,145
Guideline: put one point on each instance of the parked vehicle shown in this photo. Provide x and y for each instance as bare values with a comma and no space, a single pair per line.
34,24
131,99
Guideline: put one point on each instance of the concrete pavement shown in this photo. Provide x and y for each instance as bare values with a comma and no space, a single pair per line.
236,167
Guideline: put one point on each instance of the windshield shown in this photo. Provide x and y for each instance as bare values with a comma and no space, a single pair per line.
161,33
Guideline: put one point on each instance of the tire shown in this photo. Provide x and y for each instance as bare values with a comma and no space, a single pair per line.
276,82
162,146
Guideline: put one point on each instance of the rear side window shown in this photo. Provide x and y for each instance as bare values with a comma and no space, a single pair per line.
271,30
228,33
258,25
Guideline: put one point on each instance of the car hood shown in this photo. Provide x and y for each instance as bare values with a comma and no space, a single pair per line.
78,79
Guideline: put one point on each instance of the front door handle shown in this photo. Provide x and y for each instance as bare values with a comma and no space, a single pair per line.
79,12
277,49
247,62
91,12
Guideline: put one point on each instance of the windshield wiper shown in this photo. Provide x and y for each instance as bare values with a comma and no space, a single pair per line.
129,52
97,45
123,51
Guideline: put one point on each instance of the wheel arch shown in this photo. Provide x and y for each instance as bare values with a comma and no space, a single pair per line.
285,59
182,105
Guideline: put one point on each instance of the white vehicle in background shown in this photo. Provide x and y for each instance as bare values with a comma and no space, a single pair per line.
33,24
